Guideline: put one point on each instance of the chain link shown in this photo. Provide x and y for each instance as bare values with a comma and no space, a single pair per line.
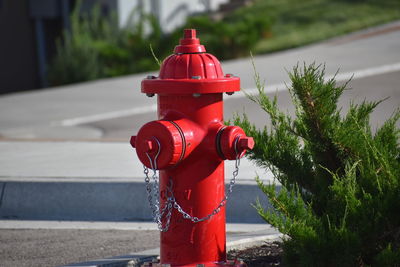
153,191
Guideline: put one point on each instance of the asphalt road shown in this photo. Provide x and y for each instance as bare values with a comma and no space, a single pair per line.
41,248
56,243
372,88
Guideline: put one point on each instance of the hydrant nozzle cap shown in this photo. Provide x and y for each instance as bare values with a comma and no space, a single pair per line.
189,43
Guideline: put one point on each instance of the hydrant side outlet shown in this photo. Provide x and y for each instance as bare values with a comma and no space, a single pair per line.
188,145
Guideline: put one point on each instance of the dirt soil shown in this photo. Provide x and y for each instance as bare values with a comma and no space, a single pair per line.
269,254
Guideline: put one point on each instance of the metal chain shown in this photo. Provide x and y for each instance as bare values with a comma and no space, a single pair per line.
154,192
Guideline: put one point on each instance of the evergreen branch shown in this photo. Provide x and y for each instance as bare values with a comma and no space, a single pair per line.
283,140
317,114
378,157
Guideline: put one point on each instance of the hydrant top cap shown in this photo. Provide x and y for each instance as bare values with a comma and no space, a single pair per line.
189,43
190,70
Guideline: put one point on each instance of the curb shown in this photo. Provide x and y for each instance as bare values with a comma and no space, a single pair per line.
41,181
238,241
98,200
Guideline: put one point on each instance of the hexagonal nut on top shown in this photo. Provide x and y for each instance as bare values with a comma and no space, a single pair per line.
159,145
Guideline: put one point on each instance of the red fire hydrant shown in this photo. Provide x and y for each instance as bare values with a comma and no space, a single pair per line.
188,145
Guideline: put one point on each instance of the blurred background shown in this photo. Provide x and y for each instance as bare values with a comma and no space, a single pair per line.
46,43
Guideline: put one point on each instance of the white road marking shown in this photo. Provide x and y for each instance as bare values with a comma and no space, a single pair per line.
108,115
340,77
367,72
357,74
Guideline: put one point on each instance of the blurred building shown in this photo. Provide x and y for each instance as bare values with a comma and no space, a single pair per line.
171,13
29,30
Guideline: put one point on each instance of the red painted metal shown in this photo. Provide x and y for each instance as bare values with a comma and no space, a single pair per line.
228,142
193,144
190,70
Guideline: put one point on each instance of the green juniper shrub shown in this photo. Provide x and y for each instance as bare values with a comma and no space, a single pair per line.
339,202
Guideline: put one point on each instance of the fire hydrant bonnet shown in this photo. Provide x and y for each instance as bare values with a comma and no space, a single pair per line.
190,70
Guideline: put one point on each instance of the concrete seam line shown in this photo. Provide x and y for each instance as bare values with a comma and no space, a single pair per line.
87,225
3,188
356,74
72,179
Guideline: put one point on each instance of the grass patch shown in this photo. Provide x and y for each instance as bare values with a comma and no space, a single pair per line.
296,23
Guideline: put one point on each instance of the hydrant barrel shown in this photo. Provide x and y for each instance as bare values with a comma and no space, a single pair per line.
188,145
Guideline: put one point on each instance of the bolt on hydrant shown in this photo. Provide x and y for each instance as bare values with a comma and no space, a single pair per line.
188,146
